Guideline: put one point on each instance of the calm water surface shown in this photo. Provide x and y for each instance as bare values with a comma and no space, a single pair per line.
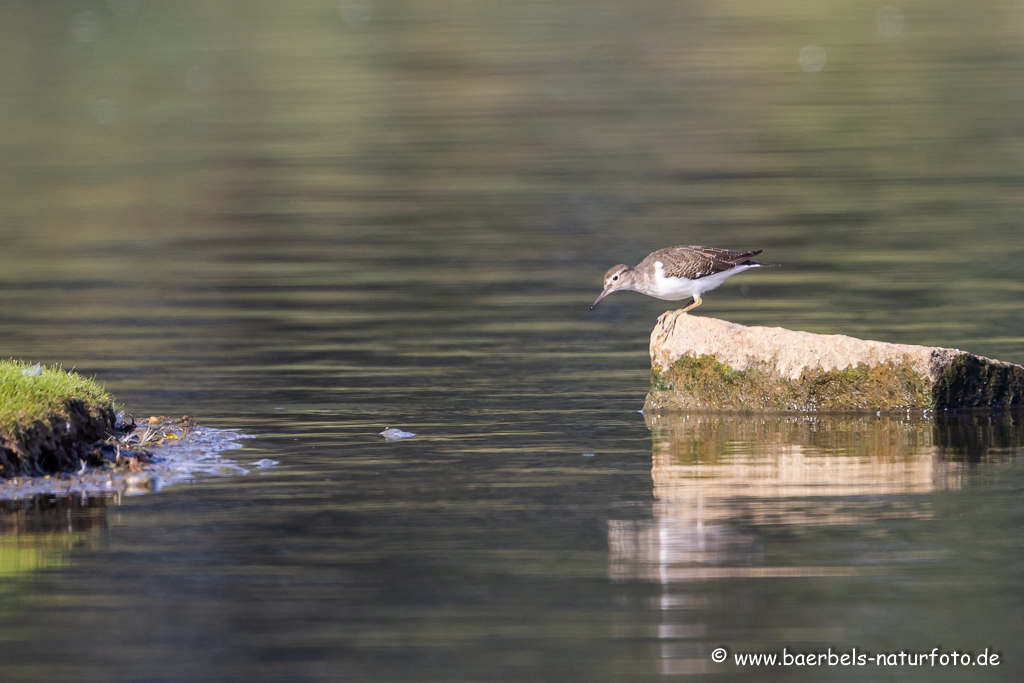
311,221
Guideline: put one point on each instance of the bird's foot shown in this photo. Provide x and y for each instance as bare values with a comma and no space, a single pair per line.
694,304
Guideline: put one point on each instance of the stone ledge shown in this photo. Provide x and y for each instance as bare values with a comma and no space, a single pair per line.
699,362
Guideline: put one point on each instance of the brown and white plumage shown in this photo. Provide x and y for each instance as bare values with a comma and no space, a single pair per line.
678,273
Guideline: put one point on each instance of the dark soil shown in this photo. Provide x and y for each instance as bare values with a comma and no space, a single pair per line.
61,442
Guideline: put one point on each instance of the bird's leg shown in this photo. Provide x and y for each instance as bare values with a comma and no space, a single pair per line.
694,304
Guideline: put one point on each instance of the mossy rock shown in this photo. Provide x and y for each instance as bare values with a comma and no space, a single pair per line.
975,382
703,382
713,364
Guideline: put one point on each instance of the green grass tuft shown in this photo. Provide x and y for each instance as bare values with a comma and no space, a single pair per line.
26,398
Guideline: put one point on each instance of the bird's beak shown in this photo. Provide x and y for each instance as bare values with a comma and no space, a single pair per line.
598,300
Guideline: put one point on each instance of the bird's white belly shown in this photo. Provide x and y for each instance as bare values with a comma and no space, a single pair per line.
678,288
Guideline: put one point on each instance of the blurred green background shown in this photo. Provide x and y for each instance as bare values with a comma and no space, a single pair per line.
876,152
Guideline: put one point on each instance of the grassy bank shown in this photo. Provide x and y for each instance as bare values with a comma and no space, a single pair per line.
50,420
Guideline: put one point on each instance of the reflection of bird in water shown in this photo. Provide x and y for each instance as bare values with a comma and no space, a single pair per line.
678,273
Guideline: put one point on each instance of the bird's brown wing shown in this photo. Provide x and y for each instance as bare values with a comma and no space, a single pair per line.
697,262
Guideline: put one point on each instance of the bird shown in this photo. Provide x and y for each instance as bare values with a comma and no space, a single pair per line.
677,273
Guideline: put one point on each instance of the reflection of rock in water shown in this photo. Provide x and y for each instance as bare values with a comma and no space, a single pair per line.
983,436
753,497
718,477
667,549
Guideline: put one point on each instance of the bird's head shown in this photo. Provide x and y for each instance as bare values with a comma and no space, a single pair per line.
619,277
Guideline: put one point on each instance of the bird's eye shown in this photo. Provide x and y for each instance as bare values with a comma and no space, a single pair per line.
615,277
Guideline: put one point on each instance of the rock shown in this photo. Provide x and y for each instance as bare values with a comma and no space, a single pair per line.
699,362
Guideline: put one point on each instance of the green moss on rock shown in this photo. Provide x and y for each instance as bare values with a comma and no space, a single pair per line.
972,382
703,382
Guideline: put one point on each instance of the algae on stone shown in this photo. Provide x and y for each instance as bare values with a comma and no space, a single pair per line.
706,363
987,384
703,382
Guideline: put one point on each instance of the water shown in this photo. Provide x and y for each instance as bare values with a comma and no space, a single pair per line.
314,221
